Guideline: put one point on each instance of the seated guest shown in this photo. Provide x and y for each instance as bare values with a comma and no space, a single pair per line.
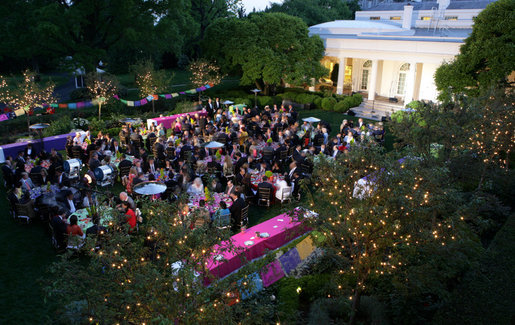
61,179
130,215
29,152
44,177
69,204
115,148
196,188
222,216
26,182
217,186
126,198
60,228
266,184
150,166
139,179
94,163
235,209
17,195
73,229
276,168
96,228
230,188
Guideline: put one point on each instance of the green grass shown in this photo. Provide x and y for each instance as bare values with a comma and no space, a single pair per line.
25,253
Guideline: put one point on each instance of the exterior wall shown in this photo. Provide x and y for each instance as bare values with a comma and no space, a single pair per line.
390,71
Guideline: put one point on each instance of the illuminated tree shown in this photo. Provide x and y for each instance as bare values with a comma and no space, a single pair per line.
27,94
102,88
153,275
402,209
150,81
204,72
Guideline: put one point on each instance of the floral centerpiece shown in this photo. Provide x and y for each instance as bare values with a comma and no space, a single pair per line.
207,194
218,155
269,173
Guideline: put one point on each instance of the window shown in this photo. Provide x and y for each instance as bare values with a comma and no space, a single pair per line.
364,76
395,17
425,18
451,17
401,85
375,18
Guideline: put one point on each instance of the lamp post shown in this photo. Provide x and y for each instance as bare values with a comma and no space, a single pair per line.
255,91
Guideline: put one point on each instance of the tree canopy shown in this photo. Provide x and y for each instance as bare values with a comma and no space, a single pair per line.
488,56
268,48
314,12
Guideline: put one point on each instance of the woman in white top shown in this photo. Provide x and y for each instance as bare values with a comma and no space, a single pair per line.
282,189
196,188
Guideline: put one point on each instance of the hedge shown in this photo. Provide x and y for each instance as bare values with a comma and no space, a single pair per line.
328,103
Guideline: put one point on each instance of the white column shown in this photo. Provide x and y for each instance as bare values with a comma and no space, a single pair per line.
373,80
410,82
341,76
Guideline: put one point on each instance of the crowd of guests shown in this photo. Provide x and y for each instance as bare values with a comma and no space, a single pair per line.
271,139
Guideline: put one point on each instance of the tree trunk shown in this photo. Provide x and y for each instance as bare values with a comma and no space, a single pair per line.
28,120
483,173
99,110
355,305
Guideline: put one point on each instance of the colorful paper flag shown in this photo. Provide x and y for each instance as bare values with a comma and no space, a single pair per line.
271,273
290,260
305,247
19,112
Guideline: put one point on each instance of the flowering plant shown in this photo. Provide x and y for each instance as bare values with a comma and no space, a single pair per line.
269,173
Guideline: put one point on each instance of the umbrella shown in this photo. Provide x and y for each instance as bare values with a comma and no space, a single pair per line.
150,188
39,126
311,119
408,109
255,91
228,102
214,145
130,120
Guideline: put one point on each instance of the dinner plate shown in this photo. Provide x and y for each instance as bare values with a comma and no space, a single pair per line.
218,257
249,243
280,220
276,226
264,235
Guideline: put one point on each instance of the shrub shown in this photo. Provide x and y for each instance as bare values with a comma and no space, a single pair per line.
80,94
318,102
113,132
328,103
264,100
358,98
414,104
289,95
60,126
245,101
184,106
340,107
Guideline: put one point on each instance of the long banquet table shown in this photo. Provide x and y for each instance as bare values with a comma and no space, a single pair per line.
281,230
168,120
57,142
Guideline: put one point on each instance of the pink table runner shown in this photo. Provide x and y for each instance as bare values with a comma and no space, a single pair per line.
281,229
168,120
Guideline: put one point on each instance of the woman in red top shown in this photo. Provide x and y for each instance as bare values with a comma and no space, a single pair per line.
73,228
130,214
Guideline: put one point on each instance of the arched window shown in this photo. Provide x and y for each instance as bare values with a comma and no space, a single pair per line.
401,84
365,73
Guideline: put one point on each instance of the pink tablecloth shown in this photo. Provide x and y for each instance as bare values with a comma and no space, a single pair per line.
281,229
168,120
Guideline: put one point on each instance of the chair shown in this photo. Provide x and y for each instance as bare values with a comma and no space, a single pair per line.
136,142
285,194
290,151
36,178
223,221
77,152
75,242
150,142
24,211
245,216
263,196
305,169
124,171
318,141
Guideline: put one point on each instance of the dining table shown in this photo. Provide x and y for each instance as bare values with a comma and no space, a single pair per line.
84,220
255,242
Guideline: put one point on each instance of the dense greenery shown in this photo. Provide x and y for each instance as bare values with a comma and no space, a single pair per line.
269,49
314,12
486,59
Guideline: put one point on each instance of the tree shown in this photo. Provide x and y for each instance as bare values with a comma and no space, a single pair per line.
150,81
154,275
204,72
406,209
102,88
314,12
486,59
269,48
27,94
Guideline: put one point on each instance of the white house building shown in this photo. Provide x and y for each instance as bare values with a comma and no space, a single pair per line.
391,50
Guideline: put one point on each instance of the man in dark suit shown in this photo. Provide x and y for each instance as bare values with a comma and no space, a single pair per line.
230,188
240,161
59,227
115,148
61,179
159,150
235,209
266,184
217,104
94,163
150,166
210,107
